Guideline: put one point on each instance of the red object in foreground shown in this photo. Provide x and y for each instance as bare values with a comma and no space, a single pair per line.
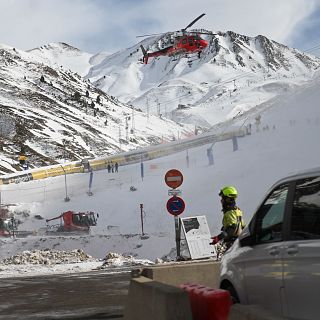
215,240
208,303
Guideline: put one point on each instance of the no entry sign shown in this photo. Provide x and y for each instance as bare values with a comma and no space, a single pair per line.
173,178
175,206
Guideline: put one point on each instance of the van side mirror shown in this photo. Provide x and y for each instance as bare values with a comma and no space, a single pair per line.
246,241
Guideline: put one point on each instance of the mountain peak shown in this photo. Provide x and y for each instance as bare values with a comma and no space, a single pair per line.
226,77
56,46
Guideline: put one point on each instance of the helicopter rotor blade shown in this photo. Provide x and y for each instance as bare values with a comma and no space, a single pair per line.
208,33
149,35
194,21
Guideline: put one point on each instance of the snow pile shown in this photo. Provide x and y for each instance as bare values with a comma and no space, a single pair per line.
48,257
118,260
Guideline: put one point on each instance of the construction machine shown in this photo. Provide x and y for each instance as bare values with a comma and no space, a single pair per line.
74,222
8,227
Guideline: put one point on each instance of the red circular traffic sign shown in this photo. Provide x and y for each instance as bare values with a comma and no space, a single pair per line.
175,206
173,178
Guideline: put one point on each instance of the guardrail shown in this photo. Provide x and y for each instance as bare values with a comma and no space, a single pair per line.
122,158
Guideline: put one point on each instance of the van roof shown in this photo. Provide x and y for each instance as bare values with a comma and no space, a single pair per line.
312,172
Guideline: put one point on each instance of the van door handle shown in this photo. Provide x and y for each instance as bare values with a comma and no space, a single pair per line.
274,252
292,249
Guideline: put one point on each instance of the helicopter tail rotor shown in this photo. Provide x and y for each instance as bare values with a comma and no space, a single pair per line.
145,54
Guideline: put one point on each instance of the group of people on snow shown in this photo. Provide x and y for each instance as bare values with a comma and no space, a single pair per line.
112,167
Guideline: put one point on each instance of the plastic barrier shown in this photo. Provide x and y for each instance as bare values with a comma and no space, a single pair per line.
208,303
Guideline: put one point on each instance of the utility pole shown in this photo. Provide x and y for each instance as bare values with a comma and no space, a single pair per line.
141,216
133,124
120,136
127,127
66,199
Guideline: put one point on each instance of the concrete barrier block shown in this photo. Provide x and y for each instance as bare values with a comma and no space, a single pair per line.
206,273
148,299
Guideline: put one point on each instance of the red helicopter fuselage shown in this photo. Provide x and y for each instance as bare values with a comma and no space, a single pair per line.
183,45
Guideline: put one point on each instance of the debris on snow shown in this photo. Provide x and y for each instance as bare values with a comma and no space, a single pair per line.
48,257
117,260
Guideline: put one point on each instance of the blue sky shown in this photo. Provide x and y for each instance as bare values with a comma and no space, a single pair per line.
111,25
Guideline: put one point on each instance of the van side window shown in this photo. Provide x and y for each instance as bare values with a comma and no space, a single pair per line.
269,218
305,220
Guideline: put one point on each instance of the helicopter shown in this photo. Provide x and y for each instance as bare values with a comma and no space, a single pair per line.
184,42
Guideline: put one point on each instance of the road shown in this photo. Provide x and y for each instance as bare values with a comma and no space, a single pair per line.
90,295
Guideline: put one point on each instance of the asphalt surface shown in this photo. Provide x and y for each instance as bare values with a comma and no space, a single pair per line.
91,295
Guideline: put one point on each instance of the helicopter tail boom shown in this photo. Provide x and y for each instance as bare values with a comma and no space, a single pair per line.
145,54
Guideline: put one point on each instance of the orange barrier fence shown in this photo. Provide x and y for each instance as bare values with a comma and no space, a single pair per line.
208,303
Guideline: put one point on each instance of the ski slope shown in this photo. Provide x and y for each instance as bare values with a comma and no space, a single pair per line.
286,141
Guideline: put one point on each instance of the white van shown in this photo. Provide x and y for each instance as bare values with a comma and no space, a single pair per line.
275,262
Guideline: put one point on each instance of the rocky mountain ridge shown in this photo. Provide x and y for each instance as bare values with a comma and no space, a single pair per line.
60,104
208,90
53,115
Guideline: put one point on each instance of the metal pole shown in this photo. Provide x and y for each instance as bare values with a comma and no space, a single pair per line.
178,233
141,215
0,206
187,158
141,169
235,143
90,193
12,222
66,199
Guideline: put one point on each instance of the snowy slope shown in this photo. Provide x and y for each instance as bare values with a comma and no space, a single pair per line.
283,143
68,57
54,115
235,73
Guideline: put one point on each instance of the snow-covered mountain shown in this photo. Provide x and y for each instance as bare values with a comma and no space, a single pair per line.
52,114
234,74
286,141
68,57
59,103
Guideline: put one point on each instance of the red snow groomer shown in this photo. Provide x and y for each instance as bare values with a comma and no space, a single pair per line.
71,221
8,227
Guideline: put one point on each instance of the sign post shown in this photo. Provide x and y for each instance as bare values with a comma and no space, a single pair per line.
175,205
177,227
